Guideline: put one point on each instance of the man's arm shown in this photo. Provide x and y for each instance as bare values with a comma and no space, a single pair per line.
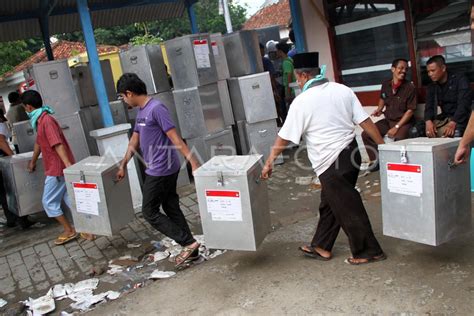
463,100
369,127
34,158
183,148
379,110
132,148
430,106
4,146
62,153
277,148
464,149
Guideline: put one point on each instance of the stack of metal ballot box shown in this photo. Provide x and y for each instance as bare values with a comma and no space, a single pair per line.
147,61
199,72
251,94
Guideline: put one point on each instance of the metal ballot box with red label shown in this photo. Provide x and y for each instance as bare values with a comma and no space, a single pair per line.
425,197
101,204
233,202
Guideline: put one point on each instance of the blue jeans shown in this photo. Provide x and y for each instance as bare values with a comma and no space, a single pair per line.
54,192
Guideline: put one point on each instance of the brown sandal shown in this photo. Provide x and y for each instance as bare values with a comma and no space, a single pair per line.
187,254
352,261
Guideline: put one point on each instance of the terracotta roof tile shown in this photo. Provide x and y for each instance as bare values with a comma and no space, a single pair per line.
61,50
275,14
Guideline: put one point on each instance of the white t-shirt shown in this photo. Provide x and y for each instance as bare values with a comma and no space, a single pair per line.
4,130
326,116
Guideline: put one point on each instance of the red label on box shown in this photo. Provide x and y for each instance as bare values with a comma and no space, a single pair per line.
404,167
234,194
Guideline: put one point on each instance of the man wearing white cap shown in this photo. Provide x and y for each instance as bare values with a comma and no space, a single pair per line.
326,114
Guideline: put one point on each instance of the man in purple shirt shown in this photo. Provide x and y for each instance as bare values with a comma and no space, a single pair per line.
155,134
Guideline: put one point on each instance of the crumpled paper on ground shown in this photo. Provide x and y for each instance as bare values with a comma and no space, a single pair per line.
42,305
157,274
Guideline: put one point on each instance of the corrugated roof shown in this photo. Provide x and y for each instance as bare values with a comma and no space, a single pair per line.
61,50
105,13
275,14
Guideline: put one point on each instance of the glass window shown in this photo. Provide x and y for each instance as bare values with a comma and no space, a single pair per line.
341,12
442,27
369,36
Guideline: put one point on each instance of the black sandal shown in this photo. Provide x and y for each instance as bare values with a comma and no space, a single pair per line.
351,261
310,252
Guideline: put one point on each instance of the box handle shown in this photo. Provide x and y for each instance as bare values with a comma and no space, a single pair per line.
179,51
134,60
451,164
263,132
30,132
53,74
255,86
64,127
220,179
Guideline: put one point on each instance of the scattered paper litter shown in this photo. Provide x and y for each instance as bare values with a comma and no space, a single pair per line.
303,180
81,295
89,301
134,245
42,305
3,302
160,255
157,274
217,253
113,295
90,284
59,291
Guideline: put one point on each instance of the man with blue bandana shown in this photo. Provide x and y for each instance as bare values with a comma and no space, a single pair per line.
325,114
57,156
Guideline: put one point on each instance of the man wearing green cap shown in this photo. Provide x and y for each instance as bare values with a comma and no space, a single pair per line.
326,114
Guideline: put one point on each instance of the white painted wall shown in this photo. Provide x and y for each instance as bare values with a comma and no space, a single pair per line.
316,32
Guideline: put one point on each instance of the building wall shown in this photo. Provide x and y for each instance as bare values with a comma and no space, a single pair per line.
114,59
316,31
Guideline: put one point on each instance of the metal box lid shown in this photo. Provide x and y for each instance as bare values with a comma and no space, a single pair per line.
93,166
229,166
421,144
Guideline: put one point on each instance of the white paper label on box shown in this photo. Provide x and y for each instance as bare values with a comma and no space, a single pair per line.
224,205
404,179
201,53
87,198
215,49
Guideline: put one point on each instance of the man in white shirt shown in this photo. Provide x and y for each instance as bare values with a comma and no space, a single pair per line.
326,114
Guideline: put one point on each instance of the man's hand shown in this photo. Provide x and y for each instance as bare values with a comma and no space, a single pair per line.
430,129
392,132
195,165
462,154
31,166
267,171
377,113
450,128
120,174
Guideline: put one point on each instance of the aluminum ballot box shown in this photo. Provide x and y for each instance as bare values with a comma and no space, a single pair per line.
233,202
425,198
24,190
101,205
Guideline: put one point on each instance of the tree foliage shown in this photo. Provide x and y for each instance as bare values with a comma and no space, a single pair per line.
207,15
11,54
154,32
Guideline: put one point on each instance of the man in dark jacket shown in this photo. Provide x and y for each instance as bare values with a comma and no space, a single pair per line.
452,93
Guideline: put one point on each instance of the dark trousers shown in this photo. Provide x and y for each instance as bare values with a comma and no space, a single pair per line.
11,218
384,126
341,207
161,191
